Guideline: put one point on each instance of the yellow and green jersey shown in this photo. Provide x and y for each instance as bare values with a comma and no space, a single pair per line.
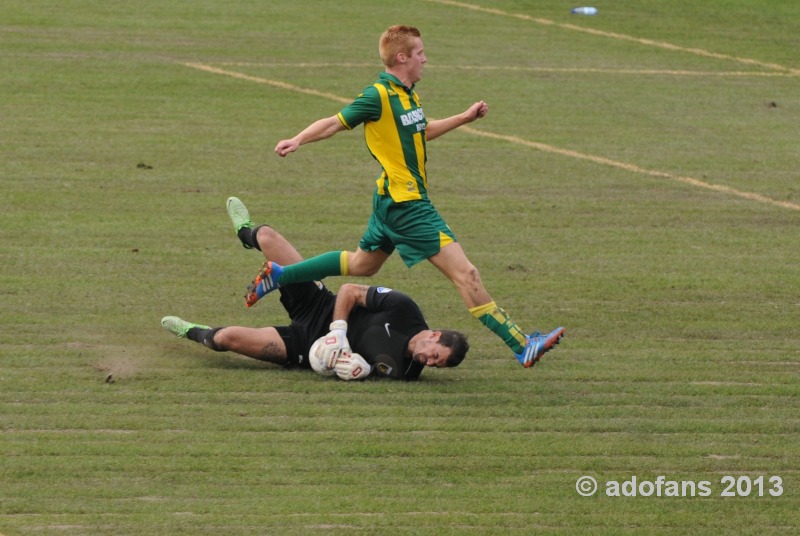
394,129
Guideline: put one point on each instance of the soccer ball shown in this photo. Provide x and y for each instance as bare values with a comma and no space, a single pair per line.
324,353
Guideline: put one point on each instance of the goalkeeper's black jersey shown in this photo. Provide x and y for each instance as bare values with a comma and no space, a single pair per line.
380,332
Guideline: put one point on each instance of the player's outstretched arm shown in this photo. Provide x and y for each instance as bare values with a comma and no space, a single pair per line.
438,127
318,130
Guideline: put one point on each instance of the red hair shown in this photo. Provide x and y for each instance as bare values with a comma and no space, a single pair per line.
394,40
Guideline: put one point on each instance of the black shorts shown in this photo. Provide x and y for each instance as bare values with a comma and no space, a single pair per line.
310,307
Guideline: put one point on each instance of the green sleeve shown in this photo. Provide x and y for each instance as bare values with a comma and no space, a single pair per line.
365,107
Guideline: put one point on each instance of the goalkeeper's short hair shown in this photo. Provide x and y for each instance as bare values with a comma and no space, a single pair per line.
457,342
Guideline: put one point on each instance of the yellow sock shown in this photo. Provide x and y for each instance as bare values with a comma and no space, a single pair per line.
498,321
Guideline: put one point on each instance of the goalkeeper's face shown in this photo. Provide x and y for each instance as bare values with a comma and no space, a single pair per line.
431,353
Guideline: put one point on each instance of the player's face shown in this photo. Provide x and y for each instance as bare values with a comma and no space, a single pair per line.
415,60
430,353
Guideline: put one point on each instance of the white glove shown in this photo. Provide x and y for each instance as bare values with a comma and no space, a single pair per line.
339,328
337,336
325,351
351,366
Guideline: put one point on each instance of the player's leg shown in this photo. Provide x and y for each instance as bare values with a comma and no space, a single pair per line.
264,344
333,263
421,233
274,275
453,263
266,239
365,263
275,246
270,242
373,251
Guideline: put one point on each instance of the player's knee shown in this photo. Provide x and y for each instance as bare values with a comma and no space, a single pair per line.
473,274
265,234
220,340
366,271
468,280
360,265
468,276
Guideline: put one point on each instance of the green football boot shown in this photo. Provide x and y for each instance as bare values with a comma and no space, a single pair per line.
179,327
240,217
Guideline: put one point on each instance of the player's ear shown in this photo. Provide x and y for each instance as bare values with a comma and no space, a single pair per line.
435,335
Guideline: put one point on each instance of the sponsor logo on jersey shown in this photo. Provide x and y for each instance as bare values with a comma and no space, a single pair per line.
383,290
384,368
413,117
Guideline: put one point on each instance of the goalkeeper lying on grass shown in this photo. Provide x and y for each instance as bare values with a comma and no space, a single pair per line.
361,331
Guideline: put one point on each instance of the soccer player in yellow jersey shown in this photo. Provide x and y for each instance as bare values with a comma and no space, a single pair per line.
397,132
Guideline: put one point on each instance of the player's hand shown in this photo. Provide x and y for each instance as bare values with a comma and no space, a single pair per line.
352,367
285,147
338,332
478,110
326,351
339,327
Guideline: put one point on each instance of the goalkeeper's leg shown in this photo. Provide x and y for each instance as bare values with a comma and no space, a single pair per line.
270,242
270,344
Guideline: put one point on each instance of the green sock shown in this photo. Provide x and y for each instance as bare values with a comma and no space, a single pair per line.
496,319
319,267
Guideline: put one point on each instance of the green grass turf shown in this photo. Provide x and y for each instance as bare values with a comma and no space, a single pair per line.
636,183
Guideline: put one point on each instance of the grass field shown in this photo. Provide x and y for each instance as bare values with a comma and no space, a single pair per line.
637,180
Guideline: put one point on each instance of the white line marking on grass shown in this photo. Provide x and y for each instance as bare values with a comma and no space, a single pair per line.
633,168
267,81
621,37
595,70
300,65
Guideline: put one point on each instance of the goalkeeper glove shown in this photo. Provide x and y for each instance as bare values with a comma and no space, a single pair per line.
352,367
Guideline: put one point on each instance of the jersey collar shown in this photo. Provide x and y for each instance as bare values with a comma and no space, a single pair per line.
392,78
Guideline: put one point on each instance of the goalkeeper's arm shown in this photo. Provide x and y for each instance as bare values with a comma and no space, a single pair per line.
349,296
329,348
